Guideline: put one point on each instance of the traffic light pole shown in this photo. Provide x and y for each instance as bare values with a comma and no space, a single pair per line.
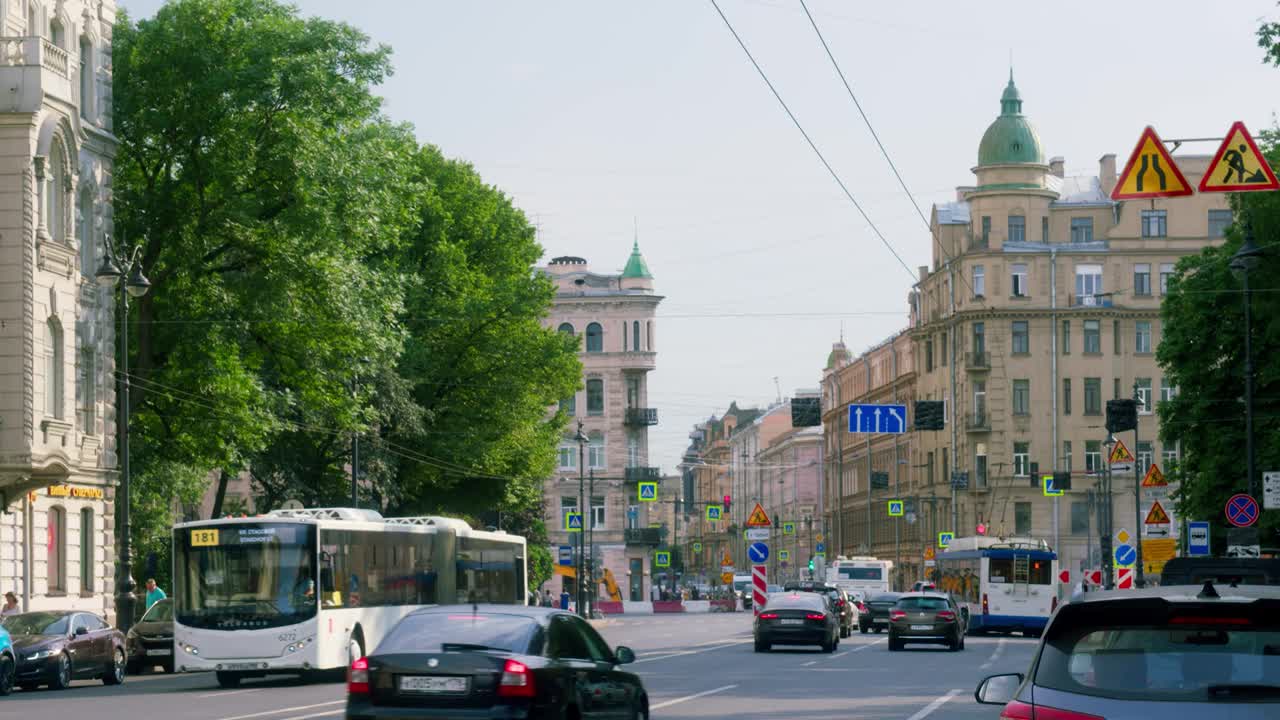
1140,578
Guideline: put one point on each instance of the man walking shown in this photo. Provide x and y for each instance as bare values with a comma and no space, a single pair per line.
154,593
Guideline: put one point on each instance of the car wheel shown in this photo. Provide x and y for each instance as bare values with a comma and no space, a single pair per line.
228,680
8,671
642,709
829,645
114,674
894,645
863,629
62,677
954,643
762,647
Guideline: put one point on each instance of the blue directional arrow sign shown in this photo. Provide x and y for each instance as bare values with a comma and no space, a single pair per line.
871,418
1126,555
822,547
758,552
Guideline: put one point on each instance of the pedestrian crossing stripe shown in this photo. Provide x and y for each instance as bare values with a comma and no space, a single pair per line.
1150,172
1157,516
1238,156
647,491
573,522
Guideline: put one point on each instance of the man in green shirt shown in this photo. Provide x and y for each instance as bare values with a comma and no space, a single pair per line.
154,593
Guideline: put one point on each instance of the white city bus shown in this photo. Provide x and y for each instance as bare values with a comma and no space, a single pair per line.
861,577
295,591
1003,585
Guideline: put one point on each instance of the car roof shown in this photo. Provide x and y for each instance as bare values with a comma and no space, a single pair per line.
924,593
1182,593
530,611
54,613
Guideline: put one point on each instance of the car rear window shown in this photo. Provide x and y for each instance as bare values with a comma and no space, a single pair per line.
1160,651
861,573
887,599
430,632
160,612
924,603
795,600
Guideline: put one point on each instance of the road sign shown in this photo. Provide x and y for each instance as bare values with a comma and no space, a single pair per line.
647,491
1126,555
757,552
1198,538
1238,166
573,522
896,508
697,547
817,537
1093,577
1123,537
1064,577
758,518
1150,172
727,560
1154,478
1119,454
714,512
756,534
726,578
872,418
1271,490
930,553
1124,578
784,555
662,558
564,555
1242,510
1157,515
759,587
821,548
960,479
1049,489
945,538
1159,550
788,528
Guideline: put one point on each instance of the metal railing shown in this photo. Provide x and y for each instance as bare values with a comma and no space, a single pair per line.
978,422
636,474
642,536
642,416
980,360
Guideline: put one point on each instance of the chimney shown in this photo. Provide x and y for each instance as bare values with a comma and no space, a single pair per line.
1107,173
1056,165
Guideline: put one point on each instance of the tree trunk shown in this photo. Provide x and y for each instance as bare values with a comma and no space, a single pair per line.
220,495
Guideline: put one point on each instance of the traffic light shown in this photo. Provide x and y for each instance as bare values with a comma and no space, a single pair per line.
1035,475
728,502
982,529
1062,480
1122,414
930,415
810,564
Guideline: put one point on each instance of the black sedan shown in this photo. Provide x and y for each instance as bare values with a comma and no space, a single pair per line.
797,618
876,618
489,661
926,618
54,648
150,642
844,607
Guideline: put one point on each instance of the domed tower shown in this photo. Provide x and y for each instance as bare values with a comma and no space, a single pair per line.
635,275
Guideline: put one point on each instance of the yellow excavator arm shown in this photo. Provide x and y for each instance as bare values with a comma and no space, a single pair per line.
611,586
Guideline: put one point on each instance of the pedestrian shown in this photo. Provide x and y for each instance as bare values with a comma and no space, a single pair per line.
10,605
547,601
154,593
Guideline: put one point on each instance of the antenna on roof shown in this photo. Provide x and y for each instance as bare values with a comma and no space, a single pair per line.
778,387
841,331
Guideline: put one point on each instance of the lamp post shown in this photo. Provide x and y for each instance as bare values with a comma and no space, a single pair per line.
1105,527
135,284
1244,261
581,438
355,440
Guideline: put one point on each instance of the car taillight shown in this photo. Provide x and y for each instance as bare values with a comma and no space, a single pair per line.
985,607
1018,711
897,615
517,680
1022,711
358,677
946,615
815,616
768,616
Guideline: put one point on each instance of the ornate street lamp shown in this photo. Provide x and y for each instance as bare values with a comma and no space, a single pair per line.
1243,262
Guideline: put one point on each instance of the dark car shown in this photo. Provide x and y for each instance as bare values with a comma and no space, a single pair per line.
54,648
876,616
840,600
491,661
926,618
1174,652
150,642
1222,571
797,618
8,663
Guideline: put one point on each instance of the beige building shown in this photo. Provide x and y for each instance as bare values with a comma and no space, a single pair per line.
57,346
614,315
1042,303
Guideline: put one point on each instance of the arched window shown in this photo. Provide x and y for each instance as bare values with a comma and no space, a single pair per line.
86,551
88,251
595,338
566,328
595,397
54,193
86,78
635,335
53,377
595,451
57,549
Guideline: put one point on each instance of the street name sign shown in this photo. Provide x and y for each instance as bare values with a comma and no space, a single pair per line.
756,534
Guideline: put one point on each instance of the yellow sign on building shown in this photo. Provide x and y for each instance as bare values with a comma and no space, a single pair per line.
76,491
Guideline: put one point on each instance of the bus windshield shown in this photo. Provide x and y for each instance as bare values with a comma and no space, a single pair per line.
860,573
245,576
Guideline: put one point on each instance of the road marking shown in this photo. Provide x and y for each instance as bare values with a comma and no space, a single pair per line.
225,693
928,709
686,698
863,646
328,713
678,654
811,662
277,711
995,655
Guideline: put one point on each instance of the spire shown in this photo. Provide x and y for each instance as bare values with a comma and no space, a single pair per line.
1011,99
636,267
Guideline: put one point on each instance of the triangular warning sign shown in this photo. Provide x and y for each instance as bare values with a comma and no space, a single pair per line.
1154,478
758,518
1119,454
1238,166
1157,516
1150,172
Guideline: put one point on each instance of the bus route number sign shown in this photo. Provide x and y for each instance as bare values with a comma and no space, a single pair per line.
204,538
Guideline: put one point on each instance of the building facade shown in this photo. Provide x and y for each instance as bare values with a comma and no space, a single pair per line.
614,316
1042,302
57,345
791,470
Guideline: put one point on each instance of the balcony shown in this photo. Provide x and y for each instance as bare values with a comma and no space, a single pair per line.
977,361
641,417
642,536
33,67
642,474
977,422
1101,301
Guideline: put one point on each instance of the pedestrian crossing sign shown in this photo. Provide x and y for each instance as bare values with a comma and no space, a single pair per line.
896,509
647,491
662,558
697,547
1049,489
573,521
784,555
714,512
945,538
1238,166
788,528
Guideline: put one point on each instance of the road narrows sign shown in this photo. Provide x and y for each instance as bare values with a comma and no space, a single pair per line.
1238,166
1151,172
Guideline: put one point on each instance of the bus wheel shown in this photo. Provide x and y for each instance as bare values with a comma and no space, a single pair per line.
355,646
228,680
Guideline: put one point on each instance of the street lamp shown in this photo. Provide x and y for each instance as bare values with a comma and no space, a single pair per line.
582,517
1242,263
110,275
1105,520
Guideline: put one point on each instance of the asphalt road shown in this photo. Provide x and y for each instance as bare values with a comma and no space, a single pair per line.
694,666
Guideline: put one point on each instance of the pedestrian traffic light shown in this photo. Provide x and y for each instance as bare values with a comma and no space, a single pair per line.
810,564
728,501
1122,414
930,415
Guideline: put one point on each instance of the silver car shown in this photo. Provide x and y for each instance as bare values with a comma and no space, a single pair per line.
1197,651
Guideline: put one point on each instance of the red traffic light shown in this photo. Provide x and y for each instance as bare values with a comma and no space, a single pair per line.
982,529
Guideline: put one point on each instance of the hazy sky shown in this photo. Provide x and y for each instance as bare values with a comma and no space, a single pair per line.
592,113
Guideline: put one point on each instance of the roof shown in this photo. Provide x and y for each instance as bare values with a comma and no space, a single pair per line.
953,213
1077,190
636,267
1010,139
1182,593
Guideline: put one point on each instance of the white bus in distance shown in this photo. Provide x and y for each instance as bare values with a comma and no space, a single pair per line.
861,577
296,591
1001,584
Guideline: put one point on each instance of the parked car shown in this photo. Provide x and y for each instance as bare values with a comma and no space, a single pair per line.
494,661
797,618
150,642
54,648
844,606
926,618
1176,652
876,616
924,586
8,663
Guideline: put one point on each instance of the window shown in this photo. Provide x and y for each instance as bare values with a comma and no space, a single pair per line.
1115,390
1088,281
943,348
57,548
1115,335
88,390
928,467
86,551
55,193
986,230
1021,459
1218,222
1144,395
1170,458
1082,230
1154,223
1017,228
1066,337
980,470
566,328
597,513
568,504
1168,392
1021,338
928,355
648,335
86,78
57,34
1066,396
1145,455
624,336
979,281
595,451
635,335
1044,229
570,405
1022,518
84,232
1021,397
1018,279
1079,518
1142,279
1093,456
1093,396
946,473
595,397
633,391
1065,461
568,456
979,338
53,374
979,402
1092,337
595,338
1166,272
1142,336
633,451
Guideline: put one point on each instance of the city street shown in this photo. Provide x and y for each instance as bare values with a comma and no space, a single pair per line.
694,666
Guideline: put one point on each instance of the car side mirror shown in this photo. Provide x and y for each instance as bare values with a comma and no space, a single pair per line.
624,655
82,630
998,689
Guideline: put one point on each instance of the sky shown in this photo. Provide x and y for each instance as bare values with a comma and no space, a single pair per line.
600,118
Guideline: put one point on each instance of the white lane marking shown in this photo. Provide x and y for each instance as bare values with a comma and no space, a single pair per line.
928,709
864,646
811,662
995,655
277,711
686,698
681,653
225,693
328,713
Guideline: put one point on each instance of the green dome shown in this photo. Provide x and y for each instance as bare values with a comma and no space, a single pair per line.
838,353
636,266
1011,138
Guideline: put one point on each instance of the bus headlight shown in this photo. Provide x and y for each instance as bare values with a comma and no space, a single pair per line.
191,649
295,647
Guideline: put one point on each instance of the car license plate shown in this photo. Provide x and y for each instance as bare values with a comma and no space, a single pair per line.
241,666
420,684
160,651
882,620
792,622
921,627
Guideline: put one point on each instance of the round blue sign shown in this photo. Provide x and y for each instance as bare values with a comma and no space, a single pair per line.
1126,554
758,552
822,547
